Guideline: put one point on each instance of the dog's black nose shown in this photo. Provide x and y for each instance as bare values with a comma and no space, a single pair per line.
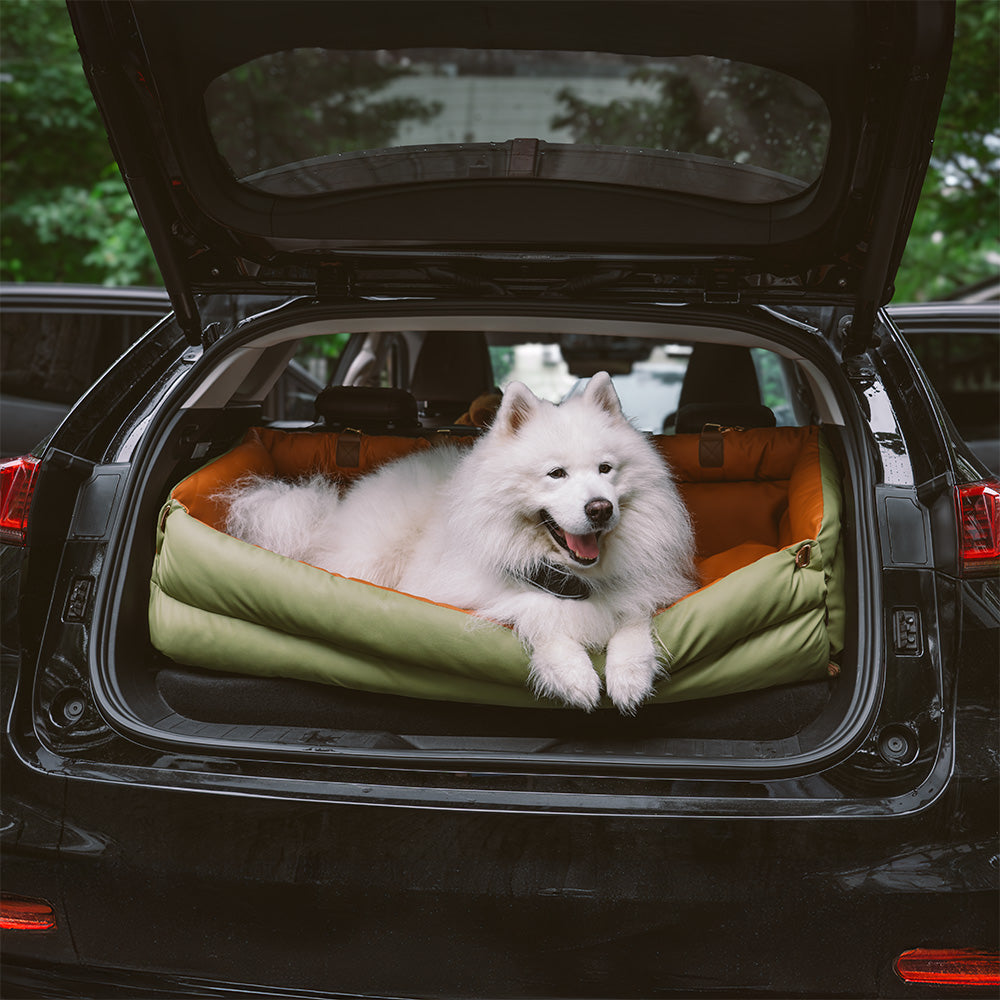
598,510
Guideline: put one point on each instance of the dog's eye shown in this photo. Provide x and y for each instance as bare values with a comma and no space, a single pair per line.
604,468
557,474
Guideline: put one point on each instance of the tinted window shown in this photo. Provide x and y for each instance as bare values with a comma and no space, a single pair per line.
55,357
965,370
311,120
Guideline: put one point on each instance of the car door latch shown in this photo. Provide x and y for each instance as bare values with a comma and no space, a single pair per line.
907,631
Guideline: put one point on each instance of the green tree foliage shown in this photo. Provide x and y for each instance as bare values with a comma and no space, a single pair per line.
955,240
66,214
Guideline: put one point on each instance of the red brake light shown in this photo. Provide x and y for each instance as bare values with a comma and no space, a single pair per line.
19,914
979,526
17,481
949,967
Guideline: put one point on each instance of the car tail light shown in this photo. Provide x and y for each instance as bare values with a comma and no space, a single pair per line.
20,914
17,481
979,525
949,967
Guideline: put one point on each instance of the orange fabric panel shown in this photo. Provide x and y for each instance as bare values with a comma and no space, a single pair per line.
784,528
288,455
805,494
767,494
775,491
195,493
304,454
728,514
722,564
756,454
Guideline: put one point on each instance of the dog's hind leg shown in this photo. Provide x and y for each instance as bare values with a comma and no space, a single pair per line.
631,666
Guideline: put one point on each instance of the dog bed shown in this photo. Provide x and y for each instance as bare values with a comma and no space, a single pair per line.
766,504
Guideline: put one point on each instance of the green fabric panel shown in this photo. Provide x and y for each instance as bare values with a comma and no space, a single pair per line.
788,652
785,653
765,593
242,581
301,600
206,639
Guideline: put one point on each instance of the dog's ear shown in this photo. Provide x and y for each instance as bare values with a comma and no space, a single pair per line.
519,403
601,390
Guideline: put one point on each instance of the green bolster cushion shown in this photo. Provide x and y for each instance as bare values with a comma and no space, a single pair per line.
219,603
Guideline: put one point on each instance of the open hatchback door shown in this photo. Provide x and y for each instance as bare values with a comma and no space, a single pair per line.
735,152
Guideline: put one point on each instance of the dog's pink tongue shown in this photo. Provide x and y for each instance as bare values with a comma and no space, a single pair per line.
584,546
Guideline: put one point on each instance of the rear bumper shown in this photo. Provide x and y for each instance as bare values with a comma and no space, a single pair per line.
28,982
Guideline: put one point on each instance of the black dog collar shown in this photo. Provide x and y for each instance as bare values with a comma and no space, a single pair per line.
558,582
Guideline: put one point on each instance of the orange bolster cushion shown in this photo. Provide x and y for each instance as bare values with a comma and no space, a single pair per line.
767,493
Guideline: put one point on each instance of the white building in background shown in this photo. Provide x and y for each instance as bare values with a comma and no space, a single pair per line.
541,366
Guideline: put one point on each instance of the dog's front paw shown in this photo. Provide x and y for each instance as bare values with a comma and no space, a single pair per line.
563,672
632,668
630,684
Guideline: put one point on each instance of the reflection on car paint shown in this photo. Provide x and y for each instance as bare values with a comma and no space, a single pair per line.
896,467
958,867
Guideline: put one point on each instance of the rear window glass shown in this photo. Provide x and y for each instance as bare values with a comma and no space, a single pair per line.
309,121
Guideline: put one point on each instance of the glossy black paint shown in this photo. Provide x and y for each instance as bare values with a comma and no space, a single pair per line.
379,900
227,869
958,346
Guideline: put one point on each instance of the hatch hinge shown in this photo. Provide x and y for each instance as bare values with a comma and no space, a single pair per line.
334,280
210,334
722,287
185,308
857,332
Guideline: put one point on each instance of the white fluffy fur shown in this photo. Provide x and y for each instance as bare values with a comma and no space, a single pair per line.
463,527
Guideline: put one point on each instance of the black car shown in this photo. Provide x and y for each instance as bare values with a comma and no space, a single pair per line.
708,201
57,341
958,346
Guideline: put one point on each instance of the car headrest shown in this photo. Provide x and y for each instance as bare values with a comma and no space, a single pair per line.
720,371
451,368
694,416
366,408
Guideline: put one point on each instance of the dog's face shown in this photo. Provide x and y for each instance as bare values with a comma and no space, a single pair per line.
579,510
568,468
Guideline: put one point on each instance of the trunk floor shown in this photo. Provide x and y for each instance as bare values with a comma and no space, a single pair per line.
770,714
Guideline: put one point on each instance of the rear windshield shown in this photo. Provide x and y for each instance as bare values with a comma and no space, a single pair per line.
311,121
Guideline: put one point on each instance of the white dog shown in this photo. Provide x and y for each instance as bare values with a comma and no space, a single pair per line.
562,521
